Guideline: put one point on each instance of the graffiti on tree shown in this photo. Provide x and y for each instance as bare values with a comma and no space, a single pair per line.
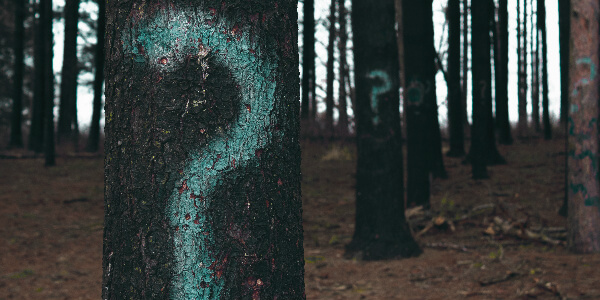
163,43
377,90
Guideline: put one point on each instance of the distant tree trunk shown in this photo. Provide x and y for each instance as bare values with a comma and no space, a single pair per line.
67,121
342,95
381,231
522,64
48,86
329,102
424,157
535,69
545,102
465,63
482,98
564,9
502,115
36,130
455,108
16,135
584,188
308,57
94,137
202,197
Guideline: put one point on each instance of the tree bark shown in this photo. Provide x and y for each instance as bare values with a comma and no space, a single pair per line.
48,83
36,130
67,110
564,9
329,101
94,137
308,57
16,134
342,95
584,195
465,63
202,197
502,115
535,69
522,65
381,231
455,108
545,101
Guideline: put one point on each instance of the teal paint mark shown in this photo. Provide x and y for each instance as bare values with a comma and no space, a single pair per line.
415,92
378,90
592,201
166,40
588,61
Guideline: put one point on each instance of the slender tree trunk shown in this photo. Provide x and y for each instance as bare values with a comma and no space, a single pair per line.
545,102
522,49
16,135
202,197
535,69
48,83
502,115
68,86
94,137
36,130
329,101
584,188
465,64
342,95
381,231
564,9
455,108
308,57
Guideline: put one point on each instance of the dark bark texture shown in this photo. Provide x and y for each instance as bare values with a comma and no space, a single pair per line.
342,126
544,59
522,67
36,130
94,137
584,194
16,134
308,57
48,82
502,116
564,9
202,180
67,109
455,110
381,231
329,101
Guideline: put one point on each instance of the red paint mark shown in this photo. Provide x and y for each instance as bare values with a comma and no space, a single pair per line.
187,216
202,130
177,228
196,221
279,182
267,203
248,108
213,11
233,163
255,295
141,49
252,51
163,61
183,187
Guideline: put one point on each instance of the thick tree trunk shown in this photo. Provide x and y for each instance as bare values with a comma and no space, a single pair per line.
381,231
48,85
36,130
545,102
564,9
342,95
455,108
584,193
16,134
329,102
67,109
202,155
502,115
308,57
94,137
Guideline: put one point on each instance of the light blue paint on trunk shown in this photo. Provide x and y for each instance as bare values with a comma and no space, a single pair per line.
377,90
175,33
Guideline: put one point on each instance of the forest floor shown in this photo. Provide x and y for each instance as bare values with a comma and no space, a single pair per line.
476,248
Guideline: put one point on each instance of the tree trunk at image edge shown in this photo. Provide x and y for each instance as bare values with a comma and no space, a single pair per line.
455,109
564,8
16,134
545,101
502,115
381,231
308,57
36,130
202,166
67,110
342,126
329,103
424,157
48,83
583,187
94,137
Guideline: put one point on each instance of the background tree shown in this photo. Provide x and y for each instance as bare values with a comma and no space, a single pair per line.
455,108
522,66
308,57
564,9
535,68
94,137
68,128
48,81
343,70
16,135
36,129
381,231
583,187
545,101
501,75
329,101
202,158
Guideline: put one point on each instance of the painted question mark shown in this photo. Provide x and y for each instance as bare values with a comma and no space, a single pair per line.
377,90
166,39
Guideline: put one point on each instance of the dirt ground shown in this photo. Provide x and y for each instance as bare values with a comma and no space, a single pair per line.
51,231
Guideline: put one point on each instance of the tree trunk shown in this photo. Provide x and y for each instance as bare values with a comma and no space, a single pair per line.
455,108
465,63
381,231
545,102
48,83
67,110
522,64
342,95
535,69
502,115
584,194
329,102
36,130
202,155
16,135
308,57
564,9
94,137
